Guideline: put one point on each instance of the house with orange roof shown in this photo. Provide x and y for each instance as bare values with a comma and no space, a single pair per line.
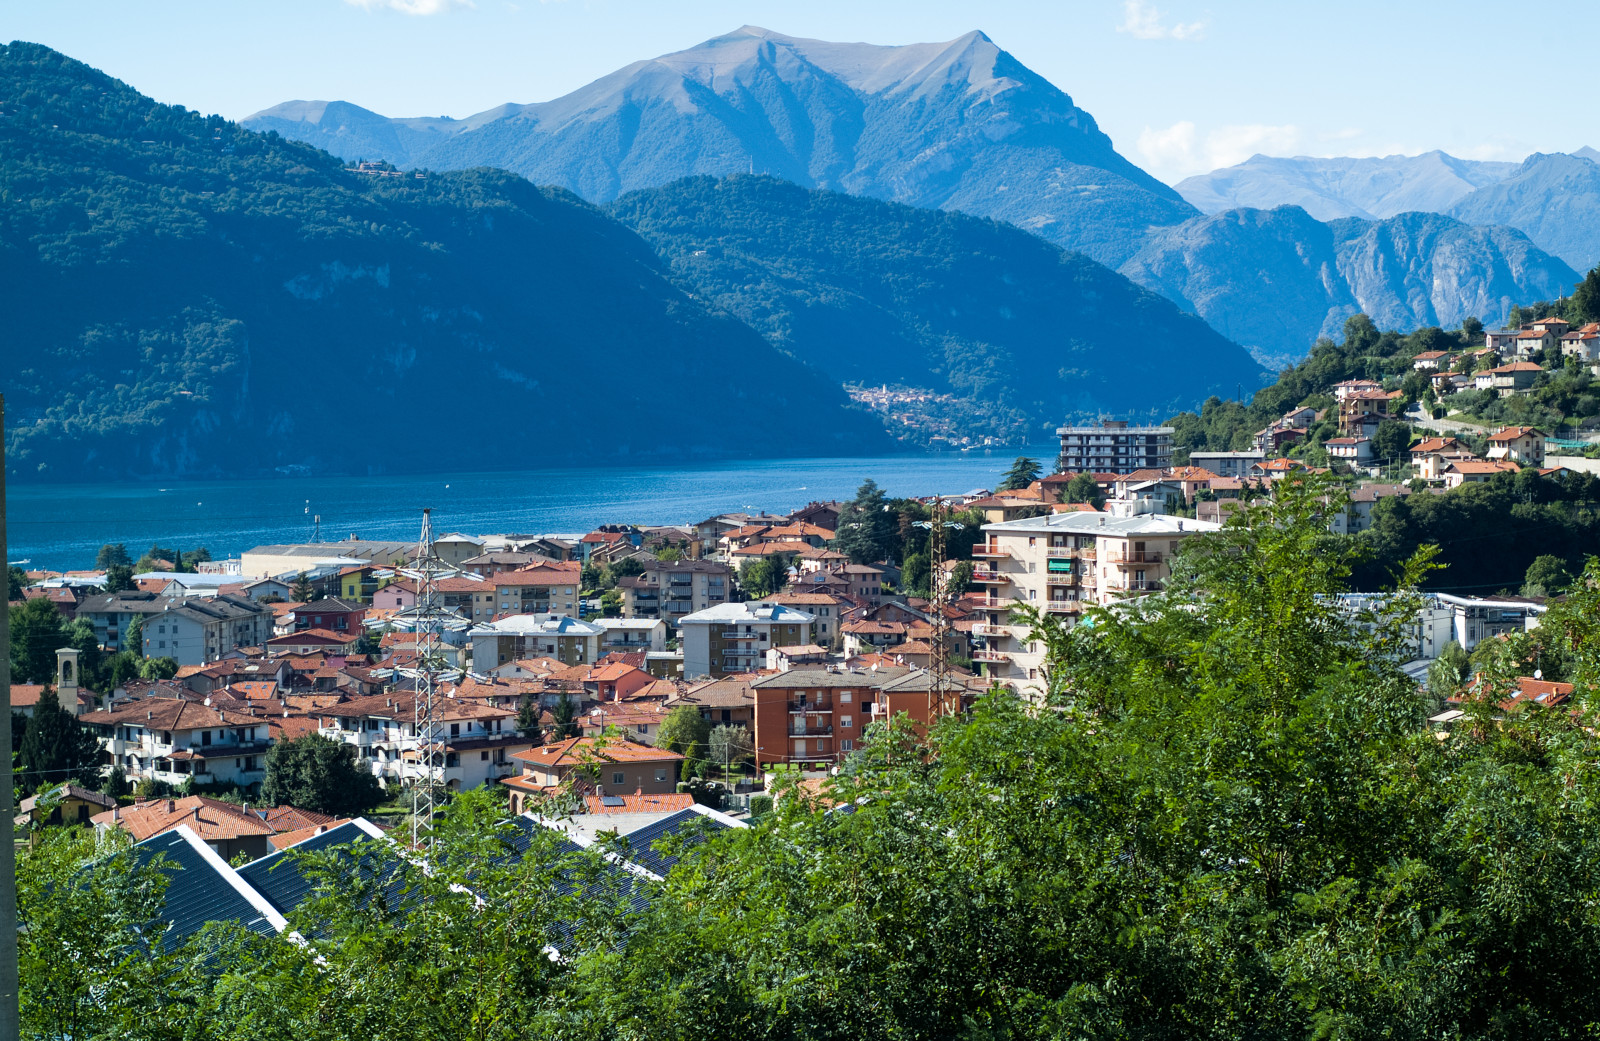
1431,455
470,744
539,589
1476,471
1431,361
1512,378
174,739
1524,445
227,829
592,765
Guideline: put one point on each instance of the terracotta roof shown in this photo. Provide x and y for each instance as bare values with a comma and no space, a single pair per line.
640,803
577,750
537,575
314,636
1430,445
285,839
1512,433
208,818
1483,466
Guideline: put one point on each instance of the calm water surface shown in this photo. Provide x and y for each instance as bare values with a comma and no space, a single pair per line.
62,526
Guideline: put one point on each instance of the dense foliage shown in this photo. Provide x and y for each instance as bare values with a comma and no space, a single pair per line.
185,296
320,774
1231,821
875,292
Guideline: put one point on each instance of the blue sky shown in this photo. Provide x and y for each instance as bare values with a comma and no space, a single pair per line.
1182,86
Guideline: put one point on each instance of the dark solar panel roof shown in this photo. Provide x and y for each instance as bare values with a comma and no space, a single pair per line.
197,892
641,844
613,800
278,877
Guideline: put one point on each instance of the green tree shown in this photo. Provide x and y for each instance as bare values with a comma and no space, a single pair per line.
528,713
1546,576
158,668
1082,488
301,590
133,635
1023,472
728,746
115,783
16,582
764,576
1584,304
319,774
684,732
564,719
56,746
961,578
625,567
1391,441
36,634
915,574
112,554
119,578
1449,671
867,528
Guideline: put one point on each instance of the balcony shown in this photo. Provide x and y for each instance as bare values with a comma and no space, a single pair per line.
1063,606
797,707
1135,557
990,551
1000,603
994,657
1060,552
813,731
995,577
985,629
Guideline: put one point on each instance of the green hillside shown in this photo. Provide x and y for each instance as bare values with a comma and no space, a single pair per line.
188,297
878,292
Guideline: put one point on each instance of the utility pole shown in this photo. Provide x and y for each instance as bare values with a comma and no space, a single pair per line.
10,1023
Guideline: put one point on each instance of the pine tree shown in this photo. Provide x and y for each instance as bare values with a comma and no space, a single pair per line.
57,747
1023,472
528,716
565,714
301,590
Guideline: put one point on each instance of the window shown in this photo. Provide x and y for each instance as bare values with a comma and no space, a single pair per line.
455,729
800,747
643,728
846,745
661,773
845,696
844,721
483,756
205,737
618,777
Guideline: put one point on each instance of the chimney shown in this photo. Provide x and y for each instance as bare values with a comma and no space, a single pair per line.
172,807
116,814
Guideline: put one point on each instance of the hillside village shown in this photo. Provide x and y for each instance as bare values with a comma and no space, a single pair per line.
788,635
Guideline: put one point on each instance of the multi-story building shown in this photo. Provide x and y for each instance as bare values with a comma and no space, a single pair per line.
632,634
1475,619
471,742
1227,464
519,637
825,608
730,638
671,589
1059,564
174,739
542,589
198,630
1114,447
332,614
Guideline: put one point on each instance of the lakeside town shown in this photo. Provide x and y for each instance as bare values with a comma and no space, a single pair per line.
654,671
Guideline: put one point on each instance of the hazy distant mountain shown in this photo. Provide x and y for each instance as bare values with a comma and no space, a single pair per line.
882,293
1555,199
187,297
960,125
1274,280
1370,188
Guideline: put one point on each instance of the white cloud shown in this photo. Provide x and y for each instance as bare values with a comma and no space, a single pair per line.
1179,150
422,7
1142,21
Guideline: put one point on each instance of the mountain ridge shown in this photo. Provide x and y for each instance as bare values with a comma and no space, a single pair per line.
957,125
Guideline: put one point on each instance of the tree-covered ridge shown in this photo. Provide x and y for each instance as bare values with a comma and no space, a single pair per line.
876,292
187,295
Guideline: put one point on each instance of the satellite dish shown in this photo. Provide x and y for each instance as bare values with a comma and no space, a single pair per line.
1538,674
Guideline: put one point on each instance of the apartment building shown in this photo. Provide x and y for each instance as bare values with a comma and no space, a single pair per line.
672,589
172,740
826,609
471,743
520,637
1228,464
632,634
542,589
1523,445
730,638
199,630
1061,563
605,766
1114,447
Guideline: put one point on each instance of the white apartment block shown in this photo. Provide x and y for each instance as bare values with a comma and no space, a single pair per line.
471,744
1114,447
172,740
1060,564
733,638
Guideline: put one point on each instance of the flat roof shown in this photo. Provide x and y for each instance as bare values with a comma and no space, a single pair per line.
1080,523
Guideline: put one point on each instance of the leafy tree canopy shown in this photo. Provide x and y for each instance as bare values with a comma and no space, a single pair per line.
320,774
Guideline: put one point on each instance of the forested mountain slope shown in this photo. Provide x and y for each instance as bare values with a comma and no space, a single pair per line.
188,297
882,293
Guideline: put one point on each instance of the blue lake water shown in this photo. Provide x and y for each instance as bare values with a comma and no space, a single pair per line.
62,526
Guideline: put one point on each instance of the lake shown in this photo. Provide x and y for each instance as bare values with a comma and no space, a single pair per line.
62,526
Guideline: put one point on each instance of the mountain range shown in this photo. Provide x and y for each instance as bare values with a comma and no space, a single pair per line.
959,125
877,292
1553,199
1275,280
964,126
186,297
